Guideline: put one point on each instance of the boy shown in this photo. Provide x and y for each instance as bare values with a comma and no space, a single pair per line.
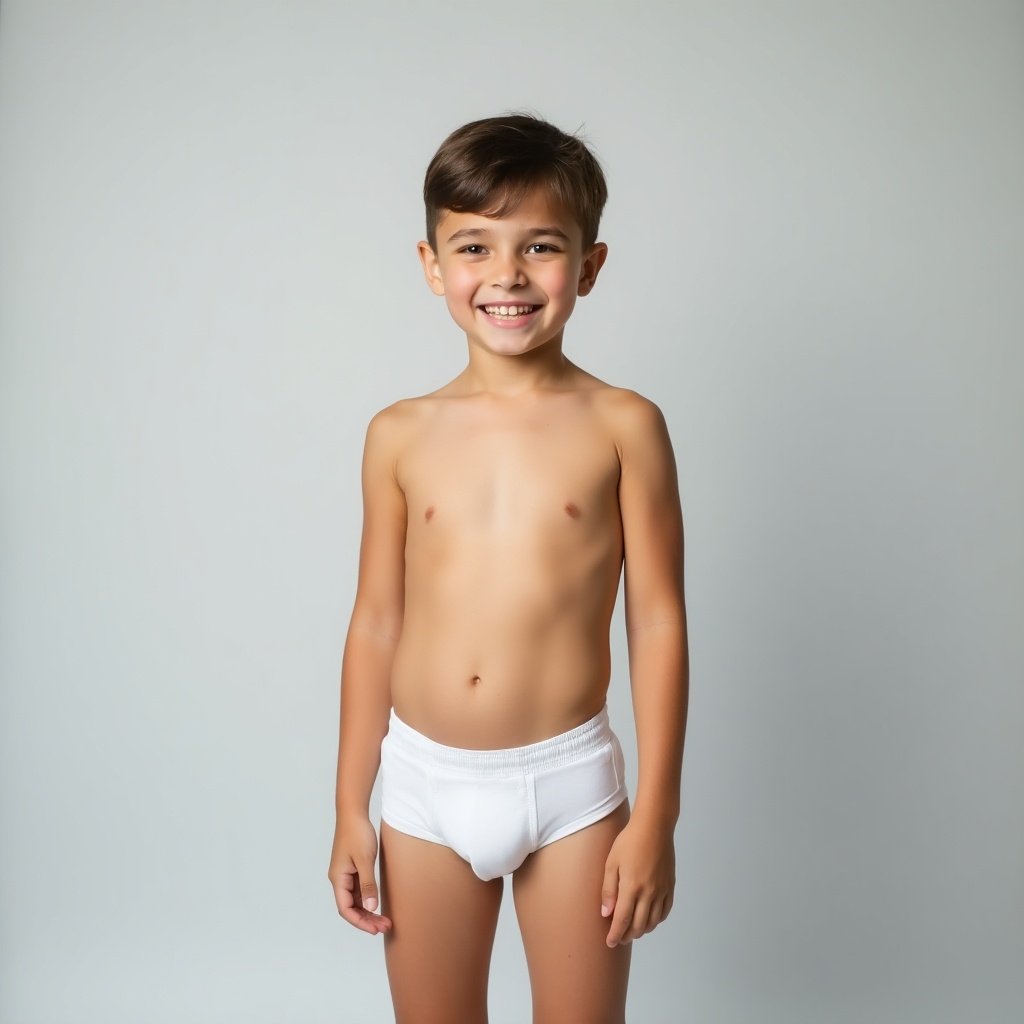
498,513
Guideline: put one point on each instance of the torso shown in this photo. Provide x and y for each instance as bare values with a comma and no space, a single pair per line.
512,564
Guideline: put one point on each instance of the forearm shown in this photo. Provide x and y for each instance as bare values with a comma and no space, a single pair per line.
659,678
365,709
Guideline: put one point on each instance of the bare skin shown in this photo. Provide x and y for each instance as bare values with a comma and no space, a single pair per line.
499,512
512,564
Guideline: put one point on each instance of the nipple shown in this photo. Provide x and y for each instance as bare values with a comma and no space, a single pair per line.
428,515
572,509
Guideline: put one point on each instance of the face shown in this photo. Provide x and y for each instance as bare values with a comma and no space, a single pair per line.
511,282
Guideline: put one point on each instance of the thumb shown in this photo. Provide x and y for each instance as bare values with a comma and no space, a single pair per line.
610,887
367,885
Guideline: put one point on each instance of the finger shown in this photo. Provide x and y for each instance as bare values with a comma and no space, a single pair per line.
365,921
620,921
641,915
609,888
657,915
367,885
347,895
343,892
666,906
669,900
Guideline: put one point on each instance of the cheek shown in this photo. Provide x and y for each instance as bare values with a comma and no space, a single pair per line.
459,287
560,281
458,296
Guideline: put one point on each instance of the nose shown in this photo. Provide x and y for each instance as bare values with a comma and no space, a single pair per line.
507,272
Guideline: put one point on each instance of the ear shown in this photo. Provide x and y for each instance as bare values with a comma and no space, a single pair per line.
431,268
593,260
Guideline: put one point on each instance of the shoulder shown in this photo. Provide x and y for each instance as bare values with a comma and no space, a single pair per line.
632,419
388,432
397,421
393,429
626,404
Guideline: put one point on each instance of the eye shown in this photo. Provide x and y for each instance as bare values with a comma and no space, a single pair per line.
468,249
543,248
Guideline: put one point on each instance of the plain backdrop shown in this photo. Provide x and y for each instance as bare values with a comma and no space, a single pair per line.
208,284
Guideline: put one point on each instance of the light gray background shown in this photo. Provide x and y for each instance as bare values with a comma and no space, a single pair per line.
209,284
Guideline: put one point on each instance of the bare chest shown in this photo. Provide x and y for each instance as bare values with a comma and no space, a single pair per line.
502,478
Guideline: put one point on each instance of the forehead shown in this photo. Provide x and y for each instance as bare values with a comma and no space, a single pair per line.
536,211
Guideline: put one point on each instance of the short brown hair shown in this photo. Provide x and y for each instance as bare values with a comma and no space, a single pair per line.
488,167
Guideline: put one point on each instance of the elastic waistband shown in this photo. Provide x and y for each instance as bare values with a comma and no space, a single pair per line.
564,748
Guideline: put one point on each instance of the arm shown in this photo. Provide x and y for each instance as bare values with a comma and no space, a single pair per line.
373,633
640,874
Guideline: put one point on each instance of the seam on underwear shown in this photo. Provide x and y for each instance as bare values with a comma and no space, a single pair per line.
412,830
620,765
584,820
431,833
531,788
432,803
619,780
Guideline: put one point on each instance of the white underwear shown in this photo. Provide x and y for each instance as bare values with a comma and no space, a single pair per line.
495,807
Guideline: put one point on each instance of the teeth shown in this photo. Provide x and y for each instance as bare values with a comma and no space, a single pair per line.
509,310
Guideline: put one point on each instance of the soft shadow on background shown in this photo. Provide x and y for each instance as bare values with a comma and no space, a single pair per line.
208,284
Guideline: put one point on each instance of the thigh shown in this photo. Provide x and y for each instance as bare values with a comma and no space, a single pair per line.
438,951
575,977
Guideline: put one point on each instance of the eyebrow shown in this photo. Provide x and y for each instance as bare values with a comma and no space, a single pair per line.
477,232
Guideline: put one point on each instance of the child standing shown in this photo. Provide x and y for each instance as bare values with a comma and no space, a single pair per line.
498,513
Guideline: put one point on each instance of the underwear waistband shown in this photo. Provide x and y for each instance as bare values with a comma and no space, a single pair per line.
565,748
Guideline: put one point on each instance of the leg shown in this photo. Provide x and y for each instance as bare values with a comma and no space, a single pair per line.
575,977
438,952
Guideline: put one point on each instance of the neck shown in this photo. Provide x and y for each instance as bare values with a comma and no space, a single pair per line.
509,376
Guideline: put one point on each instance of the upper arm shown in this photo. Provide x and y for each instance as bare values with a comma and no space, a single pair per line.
380,595
652,519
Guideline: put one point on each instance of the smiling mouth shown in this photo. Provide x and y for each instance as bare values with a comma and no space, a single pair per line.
509,312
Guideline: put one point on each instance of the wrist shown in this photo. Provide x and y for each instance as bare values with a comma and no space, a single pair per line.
661,816
348,809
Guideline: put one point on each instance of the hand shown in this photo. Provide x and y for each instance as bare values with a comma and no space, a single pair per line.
639,880
351,874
